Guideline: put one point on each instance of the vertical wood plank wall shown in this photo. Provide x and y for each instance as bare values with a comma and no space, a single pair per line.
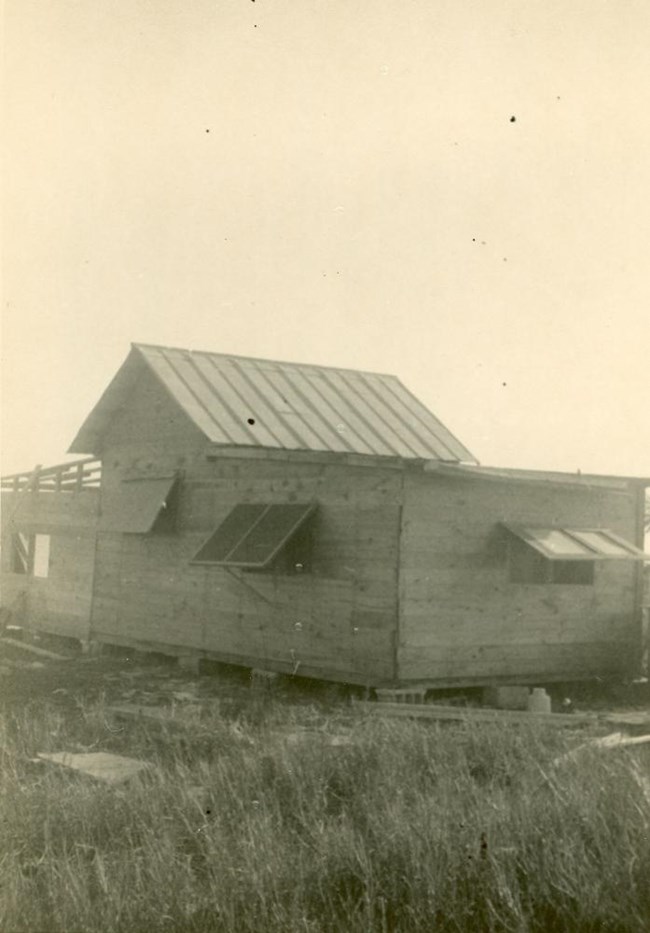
61,602
337,621
409,579
461,618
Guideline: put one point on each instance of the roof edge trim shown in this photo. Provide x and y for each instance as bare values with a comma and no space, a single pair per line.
500,474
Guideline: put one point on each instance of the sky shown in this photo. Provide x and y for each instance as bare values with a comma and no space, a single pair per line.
453,191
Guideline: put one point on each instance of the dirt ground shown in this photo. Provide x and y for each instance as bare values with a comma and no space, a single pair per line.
27,678
156,680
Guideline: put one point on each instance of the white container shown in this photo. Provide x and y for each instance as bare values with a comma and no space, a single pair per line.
539,701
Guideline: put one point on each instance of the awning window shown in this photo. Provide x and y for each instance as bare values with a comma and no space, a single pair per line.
253,535
572,544
608,545
139,505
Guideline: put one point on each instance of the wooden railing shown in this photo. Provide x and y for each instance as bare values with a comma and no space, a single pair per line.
75,476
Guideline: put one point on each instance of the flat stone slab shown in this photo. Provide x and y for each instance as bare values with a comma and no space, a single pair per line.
103,766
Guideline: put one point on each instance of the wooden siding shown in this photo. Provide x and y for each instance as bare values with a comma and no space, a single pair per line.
460,617
61,602
151,423
337,621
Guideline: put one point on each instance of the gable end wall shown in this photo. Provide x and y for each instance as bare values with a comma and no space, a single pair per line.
337,622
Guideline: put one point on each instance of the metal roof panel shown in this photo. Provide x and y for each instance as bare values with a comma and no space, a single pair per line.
240,401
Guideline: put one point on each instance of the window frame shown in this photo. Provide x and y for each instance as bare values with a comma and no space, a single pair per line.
41,556
302,522
526,534
527,567
531,562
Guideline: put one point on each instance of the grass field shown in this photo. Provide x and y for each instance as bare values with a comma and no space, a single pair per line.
251,820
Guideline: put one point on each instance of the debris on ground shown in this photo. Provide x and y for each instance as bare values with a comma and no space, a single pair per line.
184,696
641,780
614,740
152,715
34,649
480,714
631,719
297,736
103,766
20,665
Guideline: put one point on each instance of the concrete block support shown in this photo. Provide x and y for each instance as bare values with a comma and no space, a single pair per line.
402,695
508,696
189,663
92,649
263,680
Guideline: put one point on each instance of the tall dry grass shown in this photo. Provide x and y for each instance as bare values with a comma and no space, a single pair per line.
411,827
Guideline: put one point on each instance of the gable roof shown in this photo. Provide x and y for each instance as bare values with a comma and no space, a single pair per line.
238,401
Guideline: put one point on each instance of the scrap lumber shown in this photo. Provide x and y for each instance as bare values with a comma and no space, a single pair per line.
151,715
20,665
641,780
34,649
630,719
614,740
474,714
317,737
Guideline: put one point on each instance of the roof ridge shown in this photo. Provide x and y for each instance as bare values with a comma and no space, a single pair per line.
259,359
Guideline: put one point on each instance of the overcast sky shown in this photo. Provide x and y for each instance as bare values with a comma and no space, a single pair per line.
455,192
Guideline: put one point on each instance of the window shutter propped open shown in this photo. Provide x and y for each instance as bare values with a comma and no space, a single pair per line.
138,504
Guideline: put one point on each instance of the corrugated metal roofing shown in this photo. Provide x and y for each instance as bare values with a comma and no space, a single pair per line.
239,401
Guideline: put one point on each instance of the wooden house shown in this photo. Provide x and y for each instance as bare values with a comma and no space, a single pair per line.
322,522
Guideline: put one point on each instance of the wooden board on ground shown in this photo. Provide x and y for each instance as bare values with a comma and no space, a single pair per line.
34,649
631,719
471,714
615,740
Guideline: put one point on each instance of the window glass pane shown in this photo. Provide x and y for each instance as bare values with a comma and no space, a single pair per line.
602,543
557,542
230,532
269,534
42,556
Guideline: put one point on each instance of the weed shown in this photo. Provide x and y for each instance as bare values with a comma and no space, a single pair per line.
408,827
